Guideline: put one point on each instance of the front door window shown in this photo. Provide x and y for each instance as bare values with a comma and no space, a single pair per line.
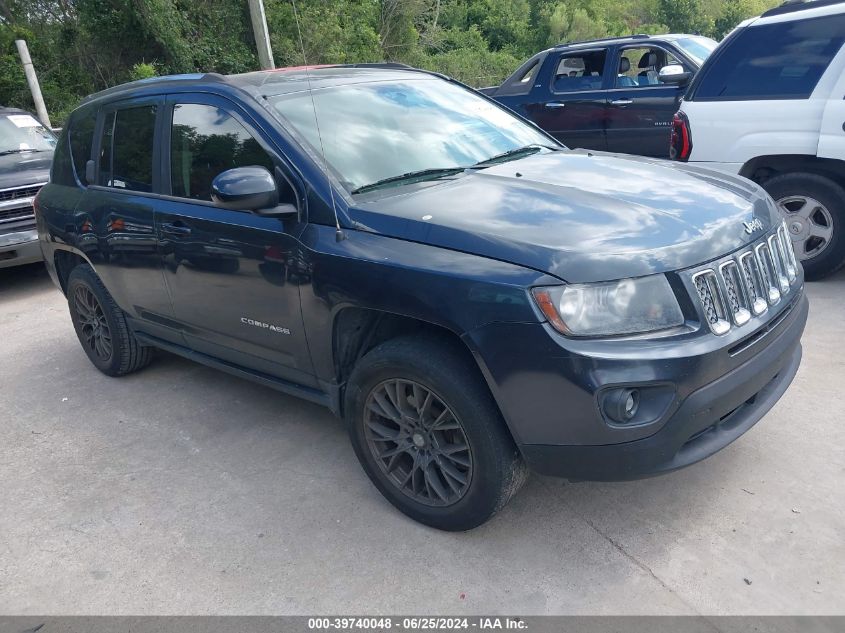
640,67
204,142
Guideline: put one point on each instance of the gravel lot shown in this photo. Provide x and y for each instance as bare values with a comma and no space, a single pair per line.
182,490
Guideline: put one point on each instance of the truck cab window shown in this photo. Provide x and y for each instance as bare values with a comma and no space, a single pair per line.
580,71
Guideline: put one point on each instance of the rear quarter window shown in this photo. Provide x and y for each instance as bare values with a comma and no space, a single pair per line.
61,172
81,137
772,61
522,81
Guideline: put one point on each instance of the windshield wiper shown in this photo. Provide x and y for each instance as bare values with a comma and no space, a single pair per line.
417,176
431,174
19,151
512,153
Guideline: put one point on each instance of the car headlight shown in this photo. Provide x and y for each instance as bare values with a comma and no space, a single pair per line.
627,306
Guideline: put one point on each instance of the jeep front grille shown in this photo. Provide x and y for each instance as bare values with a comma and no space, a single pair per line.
746,284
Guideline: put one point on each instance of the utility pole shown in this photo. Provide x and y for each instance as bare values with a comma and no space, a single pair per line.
262,35
32,80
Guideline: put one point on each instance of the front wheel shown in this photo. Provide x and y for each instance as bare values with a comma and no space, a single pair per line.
429,435
814,209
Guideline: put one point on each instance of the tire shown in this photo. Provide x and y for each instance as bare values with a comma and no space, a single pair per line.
812,206
116,351
492,468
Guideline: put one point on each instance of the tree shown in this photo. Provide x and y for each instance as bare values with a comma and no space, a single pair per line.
681,16
81,46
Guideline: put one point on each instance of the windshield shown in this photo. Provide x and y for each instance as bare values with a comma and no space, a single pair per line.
375,131
22,132
699,48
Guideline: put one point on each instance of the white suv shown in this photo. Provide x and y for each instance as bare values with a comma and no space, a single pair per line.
769,104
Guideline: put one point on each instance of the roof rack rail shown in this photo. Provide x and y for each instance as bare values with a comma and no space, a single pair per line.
791,6
637,36
151,80
378,65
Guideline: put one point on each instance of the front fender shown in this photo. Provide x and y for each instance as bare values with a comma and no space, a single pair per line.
452,290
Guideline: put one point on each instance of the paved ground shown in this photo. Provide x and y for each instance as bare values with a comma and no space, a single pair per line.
184,490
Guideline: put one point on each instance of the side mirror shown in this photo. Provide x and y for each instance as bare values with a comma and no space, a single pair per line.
245,189
284,210
674,74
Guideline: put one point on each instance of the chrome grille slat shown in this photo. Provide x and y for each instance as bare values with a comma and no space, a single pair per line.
712,301
736,293
19,192
742,286
787,253
12,215
754,283
778,262
764,261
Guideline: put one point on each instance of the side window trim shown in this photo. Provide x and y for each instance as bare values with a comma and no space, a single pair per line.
556,62
114,106
283,166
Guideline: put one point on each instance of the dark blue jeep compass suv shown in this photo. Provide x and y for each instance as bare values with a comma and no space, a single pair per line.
473,298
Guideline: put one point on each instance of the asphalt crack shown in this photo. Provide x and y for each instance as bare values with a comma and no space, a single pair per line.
648,570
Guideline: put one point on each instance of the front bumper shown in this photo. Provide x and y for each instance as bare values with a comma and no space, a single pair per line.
19,248
555,416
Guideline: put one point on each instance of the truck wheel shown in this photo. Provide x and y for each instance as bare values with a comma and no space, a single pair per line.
101,326
429,434
814,209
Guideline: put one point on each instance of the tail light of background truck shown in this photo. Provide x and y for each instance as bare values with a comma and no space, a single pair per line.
680,144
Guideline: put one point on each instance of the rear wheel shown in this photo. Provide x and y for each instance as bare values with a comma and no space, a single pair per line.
429,435
814,209
101,325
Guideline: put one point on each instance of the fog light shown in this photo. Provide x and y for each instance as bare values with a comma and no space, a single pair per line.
621,404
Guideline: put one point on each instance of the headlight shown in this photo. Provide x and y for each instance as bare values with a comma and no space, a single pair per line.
628,306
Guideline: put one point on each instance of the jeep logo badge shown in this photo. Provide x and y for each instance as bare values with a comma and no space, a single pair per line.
755,225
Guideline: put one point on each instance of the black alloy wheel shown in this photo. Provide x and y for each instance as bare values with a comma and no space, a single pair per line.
95,331
429,433
101,326
418,442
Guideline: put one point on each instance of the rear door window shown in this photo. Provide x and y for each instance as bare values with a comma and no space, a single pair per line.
784,60
126,149
580,71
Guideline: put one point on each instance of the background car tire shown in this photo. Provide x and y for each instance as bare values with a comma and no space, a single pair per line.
497,469
790,189
93,311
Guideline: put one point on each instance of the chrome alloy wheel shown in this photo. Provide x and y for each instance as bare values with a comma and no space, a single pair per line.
810,225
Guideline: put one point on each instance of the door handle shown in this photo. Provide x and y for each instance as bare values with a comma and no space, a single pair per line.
176,229
621,102
555,104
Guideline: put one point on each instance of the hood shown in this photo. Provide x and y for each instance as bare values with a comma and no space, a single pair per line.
580,216
28,168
